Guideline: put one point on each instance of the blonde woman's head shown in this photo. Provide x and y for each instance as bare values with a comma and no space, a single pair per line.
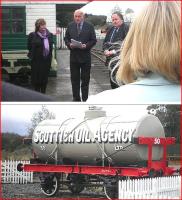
153,43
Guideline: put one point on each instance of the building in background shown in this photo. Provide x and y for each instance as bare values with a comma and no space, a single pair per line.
18,21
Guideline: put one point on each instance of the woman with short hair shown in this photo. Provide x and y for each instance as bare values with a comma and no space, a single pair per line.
40,44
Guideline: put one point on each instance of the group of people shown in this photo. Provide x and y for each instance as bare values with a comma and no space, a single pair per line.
149,62
40,51
149,70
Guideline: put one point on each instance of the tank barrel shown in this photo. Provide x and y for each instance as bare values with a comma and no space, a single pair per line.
96,139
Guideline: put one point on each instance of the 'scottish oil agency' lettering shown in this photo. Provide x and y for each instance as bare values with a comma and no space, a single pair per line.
83,136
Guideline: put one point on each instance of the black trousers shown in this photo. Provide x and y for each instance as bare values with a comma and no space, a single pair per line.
80,77
40,88
39,74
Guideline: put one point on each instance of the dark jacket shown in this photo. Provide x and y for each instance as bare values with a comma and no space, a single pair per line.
118,36
40,65
87,36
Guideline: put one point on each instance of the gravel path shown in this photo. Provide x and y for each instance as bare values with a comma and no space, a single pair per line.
33,191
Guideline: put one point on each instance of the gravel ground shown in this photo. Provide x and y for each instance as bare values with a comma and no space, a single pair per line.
33,191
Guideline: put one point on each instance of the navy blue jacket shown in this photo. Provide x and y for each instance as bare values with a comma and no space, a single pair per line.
118,36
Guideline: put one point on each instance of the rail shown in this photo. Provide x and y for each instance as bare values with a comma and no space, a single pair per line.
98,54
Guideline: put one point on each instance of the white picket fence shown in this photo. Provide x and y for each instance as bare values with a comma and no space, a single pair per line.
9,173
61,34
151,188
60,38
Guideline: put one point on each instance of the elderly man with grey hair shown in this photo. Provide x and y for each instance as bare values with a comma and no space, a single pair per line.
80,38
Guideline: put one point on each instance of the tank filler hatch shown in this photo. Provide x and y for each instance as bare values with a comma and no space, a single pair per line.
94,112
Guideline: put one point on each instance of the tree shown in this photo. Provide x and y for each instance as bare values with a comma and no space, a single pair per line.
129,15
11,141
39,116
13,147
129,11
116,9
169,115
64,18
96,20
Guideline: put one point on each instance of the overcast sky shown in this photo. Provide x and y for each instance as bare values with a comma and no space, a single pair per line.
105,7
17,117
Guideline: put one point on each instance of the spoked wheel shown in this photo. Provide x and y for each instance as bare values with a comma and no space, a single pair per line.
50,185
76,188
76,183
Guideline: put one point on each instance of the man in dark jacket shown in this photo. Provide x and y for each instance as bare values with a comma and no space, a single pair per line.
114,37
80,38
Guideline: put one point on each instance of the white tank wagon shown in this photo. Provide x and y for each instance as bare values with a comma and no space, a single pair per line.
93,141
98,151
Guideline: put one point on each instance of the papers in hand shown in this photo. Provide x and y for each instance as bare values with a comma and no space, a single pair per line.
76,43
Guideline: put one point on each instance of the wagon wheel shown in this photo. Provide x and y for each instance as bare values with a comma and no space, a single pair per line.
76,183
50,185
76,187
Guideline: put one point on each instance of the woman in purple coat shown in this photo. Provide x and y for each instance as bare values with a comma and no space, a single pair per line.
40,44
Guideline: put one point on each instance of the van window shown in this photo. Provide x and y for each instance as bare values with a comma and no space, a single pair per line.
13,20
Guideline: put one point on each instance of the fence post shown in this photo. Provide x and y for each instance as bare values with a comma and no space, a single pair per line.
151,188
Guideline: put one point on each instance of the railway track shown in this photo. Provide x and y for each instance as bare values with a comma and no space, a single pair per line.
99,71
98,54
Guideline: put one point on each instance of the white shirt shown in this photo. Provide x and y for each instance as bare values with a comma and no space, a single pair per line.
151,89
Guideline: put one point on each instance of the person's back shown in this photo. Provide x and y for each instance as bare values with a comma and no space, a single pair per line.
151,89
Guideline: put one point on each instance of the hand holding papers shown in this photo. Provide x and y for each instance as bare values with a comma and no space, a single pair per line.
76,43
